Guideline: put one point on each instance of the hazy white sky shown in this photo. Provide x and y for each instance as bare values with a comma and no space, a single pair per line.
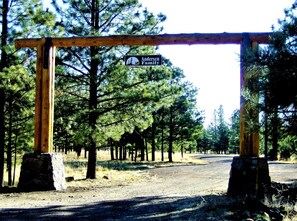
214,69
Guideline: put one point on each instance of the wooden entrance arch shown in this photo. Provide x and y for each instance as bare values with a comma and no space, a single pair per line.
45,74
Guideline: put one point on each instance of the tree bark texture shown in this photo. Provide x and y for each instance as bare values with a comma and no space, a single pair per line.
9,143
92,160
170,139
275,134
153,138
2,134
3,64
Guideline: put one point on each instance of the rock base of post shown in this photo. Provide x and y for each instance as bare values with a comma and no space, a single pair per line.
249,176
42,172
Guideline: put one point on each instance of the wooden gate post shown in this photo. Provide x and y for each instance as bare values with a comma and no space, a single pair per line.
43,170
44,101
249,134
249,173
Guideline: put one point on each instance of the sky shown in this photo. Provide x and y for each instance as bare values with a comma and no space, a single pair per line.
214,69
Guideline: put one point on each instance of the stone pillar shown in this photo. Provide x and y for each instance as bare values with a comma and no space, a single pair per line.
42,172
249,174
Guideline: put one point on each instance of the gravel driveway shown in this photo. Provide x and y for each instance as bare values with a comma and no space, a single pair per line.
177,192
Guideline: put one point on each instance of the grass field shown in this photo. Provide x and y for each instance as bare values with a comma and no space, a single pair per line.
121,171
124,170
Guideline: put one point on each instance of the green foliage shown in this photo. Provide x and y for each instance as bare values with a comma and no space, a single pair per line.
288,147
103,98
279,64
179,124
20,19
187,120
125,98
116,17
27,18
204,142
220,137
277,67
219,132
234,132
123,105
19,106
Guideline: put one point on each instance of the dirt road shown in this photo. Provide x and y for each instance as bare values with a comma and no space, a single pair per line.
177,192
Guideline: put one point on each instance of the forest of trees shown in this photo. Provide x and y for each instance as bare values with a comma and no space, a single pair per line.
102,104
220,136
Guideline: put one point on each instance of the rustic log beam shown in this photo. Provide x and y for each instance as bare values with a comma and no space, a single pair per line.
44,101
163,39
38,100
48,80
249,136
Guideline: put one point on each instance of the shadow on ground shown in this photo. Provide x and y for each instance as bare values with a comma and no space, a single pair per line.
210,207
207,207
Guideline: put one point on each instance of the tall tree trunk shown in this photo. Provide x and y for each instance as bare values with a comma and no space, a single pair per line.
266,135
139,144
15,160
9,145
2,135
4,34
275,125
146,150
91,170
117,150
86,152
170,140
153,137
142,148
3,64
182,151
92,160
132,153
111,153
135,157
124,152
111,143
162,139
121,152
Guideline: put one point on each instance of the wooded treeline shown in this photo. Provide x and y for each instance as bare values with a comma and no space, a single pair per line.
99,103
275,67
133,112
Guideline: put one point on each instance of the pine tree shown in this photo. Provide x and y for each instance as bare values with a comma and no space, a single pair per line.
219,131
234,132
182,118
118,98
223,131
2,91
277,67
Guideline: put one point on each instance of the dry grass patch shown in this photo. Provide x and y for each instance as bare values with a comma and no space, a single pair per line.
116,172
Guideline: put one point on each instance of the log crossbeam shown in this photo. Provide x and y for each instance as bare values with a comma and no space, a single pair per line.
137,40
44,105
